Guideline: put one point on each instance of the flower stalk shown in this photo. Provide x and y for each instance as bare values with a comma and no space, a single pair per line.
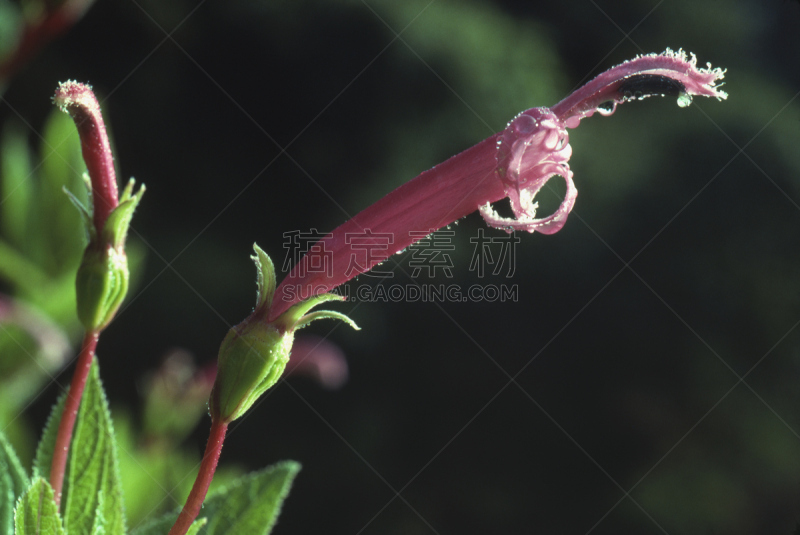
71,405
102,279
199,490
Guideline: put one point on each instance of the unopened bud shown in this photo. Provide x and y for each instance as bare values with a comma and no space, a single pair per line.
252,358
101,285
253,355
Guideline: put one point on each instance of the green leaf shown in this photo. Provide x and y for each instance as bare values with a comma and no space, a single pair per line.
20,271
92,493
13,482
61,167
7,502
194,529
99,525
16,186
163,525
10,28
250,505
13,467
37,512
44,451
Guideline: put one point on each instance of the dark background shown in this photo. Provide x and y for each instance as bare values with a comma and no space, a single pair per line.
676,274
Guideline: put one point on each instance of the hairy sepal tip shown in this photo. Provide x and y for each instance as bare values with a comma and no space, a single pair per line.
71,94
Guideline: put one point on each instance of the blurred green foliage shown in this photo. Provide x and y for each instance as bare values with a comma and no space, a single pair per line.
41,242
157,475
41,233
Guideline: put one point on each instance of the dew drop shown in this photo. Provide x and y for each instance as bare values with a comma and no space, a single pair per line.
524,124
607,108
684,99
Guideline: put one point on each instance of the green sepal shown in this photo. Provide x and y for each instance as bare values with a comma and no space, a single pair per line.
13,483
103,276
86,214
326,314
115,229
294,316
253,355
304,306
37,512
101,285
266,278
251,359
298,317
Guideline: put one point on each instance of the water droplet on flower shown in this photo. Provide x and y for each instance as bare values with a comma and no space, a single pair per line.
524,124
607,108
684,99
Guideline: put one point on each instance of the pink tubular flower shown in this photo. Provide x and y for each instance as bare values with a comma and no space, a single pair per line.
80,102
515,163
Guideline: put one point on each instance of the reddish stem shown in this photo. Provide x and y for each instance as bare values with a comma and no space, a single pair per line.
73,401
200,488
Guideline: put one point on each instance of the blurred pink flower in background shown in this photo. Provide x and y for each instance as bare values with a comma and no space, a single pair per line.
319,359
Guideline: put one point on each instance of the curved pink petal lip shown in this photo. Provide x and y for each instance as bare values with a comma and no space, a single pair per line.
471,180
677,66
